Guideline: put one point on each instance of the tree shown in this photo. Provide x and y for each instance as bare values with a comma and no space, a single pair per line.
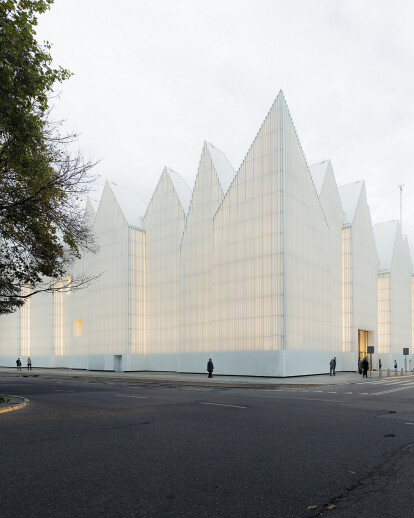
42,184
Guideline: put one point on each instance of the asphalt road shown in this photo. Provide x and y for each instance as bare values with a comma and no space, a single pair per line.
86,448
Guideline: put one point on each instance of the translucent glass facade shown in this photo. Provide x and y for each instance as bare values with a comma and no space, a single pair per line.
164,225
271,271
196,262
347,291
394,292
384,314
359,273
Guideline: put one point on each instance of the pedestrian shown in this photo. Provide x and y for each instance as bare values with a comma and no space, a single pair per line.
395,364
29,364
379,364
19,364
332,367
365,366
210,368
360,366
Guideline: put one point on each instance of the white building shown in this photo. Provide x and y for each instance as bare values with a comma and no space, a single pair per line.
271,270
359,276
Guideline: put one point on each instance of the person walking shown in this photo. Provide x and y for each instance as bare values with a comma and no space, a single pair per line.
29,364
210,368
379,364
332,367
365,366
18,364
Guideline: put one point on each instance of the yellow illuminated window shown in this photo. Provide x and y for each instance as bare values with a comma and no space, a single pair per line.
77,327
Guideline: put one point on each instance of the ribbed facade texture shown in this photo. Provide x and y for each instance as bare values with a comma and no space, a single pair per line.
271,270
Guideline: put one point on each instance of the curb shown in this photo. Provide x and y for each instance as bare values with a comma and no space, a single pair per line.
14,406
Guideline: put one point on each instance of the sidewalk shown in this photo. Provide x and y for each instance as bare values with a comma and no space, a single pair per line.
341,378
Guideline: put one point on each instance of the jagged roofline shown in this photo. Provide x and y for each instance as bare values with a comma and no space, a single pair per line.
90,209
361,184
205,150
313,166
280,98
327,168
279,95
122,206
394,239
166,171
334,177
216,155
173,175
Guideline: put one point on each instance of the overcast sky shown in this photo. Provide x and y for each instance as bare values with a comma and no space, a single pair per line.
154,79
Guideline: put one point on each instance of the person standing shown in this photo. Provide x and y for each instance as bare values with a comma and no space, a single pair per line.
19,364
360,366
395,364
332,367
379,364
29,364
365,366
210,368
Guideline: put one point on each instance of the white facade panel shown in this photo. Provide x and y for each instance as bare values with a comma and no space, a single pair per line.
360,267
10,348
196,263
164,225
106,325
248,257
394,293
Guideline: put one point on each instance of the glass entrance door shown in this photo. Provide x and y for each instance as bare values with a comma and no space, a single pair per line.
362,344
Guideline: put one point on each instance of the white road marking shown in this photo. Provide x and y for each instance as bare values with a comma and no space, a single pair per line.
331,392
347,392
410,423
222,404
363,393
318,399
136,397
63,390
405,387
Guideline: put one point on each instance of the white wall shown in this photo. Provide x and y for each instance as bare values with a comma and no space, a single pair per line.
364,278
164,225
331,204
196,264
10,348
106,322
400,297
136,295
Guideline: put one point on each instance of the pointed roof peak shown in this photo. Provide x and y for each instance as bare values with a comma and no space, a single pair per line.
350,194
318,172
92,204
181,188
224,170
132,206
385,235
